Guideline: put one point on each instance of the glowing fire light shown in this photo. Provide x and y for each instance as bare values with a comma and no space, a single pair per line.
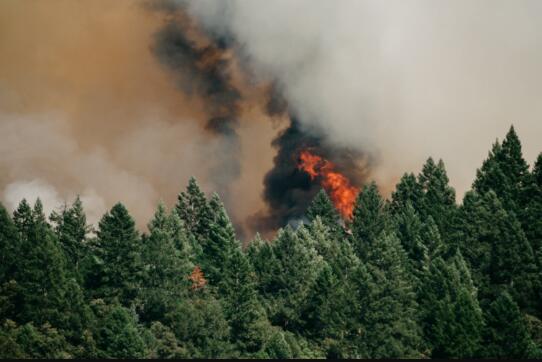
340,190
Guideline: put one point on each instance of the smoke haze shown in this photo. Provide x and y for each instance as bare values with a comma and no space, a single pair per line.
94,101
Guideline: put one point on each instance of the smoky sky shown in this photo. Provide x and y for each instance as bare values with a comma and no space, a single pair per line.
117,101
402,80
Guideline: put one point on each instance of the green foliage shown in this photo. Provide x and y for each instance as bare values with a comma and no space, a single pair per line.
387,303
506,334
451,316
369,219
117,252
411,278
323,208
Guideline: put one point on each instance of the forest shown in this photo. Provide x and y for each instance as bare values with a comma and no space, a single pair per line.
417,275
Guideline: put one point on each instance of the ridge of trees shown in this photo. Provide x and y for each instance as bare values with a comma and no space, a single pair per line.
415,276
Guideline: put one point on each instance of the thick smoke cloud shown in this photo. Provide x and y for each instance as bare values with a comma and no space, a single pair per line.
203,69
287,190
401,80
124,100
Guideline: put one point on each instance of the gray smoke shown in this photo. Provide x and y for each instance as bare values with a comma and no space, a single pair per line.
399,79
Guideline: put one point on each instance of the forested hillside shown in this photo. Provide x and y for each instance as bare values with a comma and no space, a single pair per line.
414,276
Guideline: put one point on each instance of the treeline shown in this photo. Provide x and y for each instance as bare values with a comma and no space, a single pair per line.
413,276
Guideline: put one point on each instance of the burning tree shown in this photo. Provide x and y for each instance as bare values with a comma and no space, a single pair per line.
341,191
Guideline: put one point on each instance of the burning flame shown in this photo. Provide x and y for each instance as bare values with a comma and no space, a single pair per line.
341,191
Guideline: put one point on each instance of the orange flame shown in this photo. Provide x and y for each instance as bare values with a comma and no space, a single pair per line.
341,191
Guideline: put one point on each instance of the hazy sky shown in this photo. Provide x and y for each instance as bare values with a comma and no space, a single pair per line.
86,108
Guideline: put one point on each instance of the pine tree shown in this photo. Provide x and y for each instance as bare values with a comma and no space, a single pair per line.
118,251
246,317
409,231
504,172
451,317
530,214
165,266
497,250
369,219
408,190
117,334
39,269
322,207
506,334
286,283
219,243
194,211
439,197
200,326
387,303
71,228
8,246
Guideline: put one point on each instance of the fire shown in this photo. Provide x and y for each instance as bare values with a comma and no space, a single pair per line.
342,193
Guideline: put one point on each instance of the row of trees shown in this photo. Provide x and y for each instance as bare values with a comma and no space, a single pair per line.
413,276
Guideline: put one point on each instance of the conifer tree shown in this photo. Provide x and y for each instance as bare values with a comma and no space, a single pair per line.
8,246
165,266
194,211
409,231
219,243
387,303
322,207
408,190
530,214
451,317
439,197
118,249
295,265
369,219
504,172
71,229
117,334
245,315
506,334
497,250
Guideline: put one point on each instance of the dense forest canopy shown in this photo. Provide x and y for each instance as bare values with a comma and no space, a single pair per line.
414,276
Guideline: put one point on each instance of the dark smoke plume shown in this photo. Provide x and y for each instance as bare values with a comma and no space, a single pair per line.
288,191
203,70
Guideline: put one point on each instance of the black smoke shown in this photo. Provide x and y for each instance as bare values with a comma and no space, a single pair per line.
288,191
202,70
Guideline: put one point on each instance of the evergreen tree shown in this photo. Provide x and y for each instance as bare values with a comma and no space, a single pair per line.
322,207
506,334
200,326
369,219
117,334
218,245
294,265
246,317
71,229
118,251
504,172
194,211
451,317
408,190
439,197
530,215
8,253
409,230
387,303
497,250
165,266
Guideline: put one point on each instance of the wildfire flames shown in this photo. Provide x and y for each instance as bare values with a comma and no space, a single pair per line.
341,191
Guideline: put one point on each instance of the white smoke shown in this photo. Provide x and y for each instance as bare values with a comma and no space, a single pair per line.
401,79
